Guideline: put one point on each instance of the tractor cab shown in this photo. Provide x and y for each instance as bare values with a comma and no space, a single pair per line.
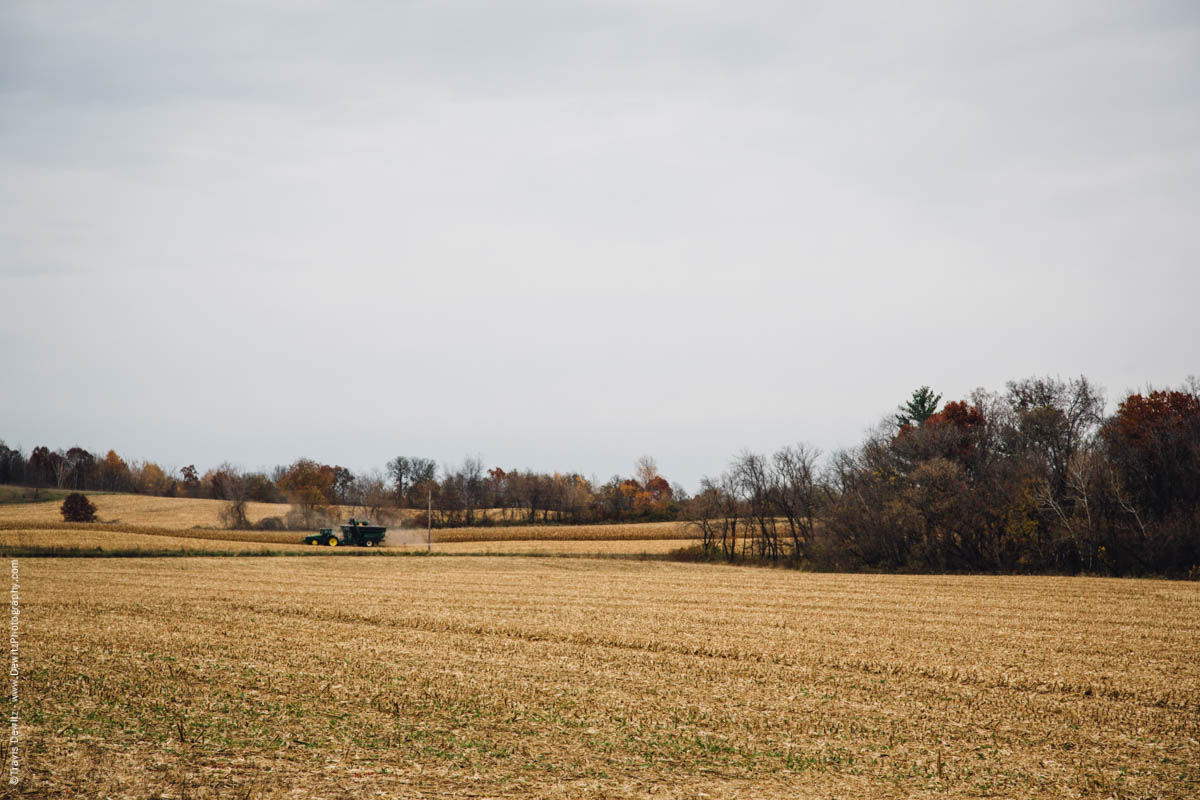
326,537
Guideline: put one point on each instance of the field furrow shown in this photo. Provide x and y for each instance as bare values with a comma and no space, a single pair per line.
332,677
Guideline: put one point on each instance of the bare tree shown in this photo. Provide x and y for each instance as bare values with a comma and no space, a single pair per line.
752,477
408,473
370,495
646,470
716,512
1055,419
61,465
797,494
230,485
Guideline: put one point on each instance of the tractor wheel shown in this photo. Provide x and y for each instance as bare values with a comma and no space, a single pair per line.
369,542
333,542
314,542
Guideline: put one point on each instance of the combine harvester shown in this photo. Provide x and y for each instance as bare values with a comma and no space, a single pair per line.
356,532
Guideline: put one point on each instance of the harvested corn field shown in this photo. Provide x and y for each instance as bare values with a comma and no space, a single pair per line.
180,513
92,540
134,509
202,518
482,677
54,539
137,525
595,533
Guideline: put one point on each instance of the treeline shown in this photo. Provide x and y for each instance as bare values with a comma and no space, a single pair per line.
467,494
1034,479
1037,478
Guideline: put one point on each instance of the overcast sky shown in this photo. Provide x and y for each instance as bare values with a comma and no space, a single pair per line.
562,235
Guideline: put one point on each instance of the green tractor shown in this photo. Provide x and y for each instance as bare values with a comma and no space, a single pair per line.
357,532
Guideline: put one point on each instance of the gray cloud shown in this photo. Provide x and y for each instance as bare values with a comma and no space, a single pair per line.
561,236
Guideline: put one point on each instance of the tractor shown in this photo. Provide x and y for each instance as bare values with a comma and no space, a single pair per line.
357,532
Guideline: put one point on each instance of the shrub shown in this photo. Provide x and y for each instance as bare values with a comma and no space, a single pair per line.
233,515
77,508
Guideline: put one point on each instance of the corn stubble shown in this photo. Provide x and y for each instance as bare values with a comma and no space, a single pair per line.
49,539
333,677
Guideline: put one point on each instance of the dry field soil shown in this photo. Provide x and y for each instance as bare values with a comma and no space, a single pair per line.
331,677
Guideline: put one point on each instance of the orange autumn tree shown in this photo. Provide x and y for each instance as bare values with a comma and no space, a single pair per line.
114,473
151,479
309,487
649,494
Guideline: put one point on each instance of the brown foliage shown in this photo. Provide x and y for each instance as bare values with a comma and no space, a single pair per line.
77,508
